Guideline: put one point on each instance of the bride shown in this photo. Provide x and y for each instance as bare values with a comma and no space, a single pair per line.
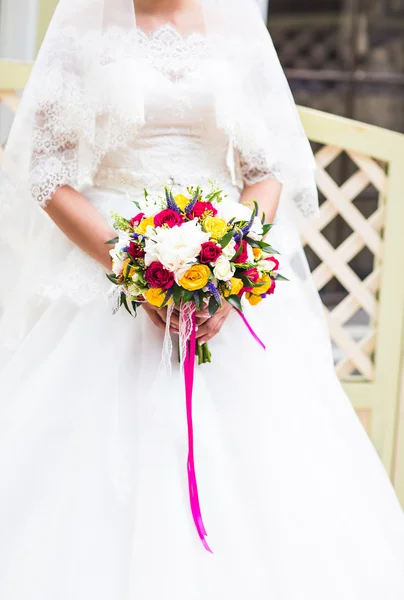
93,502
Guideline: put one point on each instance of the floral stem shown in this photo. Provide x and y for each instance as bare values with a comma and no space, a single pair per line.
206,355
199,352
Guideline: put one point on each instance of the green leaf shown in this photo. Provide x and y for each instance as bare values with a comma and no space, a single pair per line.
280,277
213,195
226,239
177,290
125,304
266,228
187,296
235,302
247,282
114,241
239,251
213,306
168,295
112,278
253,243
268,248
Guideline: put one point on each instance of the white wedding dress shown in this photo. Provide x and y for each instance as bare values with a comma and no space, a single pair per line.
93,444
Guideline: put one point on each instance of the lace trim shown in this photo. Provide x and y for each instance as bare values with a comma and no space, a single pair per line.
256,169
171,53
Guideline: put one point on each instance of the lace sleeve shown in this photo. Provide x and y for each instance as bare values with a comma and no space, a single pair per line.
256,168
54,159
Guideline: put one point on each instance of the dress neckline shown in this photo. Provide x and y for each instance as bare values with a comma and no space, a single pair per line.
169,34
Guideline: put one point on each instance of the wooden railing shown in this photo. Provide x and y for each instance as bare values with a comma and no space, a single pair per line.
370,365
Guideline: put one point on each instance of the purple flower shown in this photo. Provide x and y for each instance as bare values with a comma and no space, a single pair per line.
171,203
215,293
190,207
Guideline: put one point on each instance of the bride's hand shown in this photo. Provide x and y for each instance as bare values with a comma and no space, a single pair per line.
213,325
159,317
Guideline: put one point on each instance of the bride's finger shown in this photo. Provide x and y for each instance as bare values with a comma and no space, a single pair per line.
162,313
202,320
175,319
211,331
210,326
156,319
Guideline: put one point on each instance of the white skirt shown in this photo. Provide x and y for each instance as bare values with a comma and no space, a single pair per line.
93,449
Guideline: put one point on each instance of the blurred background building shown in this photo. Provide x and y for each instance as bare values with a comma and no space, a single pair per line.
345,57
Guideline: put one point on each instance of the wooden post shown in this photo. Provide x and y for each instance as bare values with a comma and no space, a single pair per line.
46,8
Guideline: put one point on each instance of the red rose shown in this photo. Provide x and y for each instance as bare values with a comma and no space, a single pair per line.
201,207
253,276
210,252
136,220
158,277
167,217
272,288
276,263
136,250
243,257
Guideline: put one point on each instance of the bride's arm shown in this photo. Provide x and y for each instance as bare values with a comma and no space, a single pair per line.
267,194
82,224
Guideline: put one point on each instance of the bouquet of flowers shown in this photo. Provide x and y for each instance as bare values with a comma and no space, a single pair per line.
186,252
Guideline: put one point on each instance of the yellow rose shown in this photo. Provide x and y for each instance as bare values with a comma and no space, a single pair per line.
257,253
253,300
215,226
155,296
182,201
128,271
236,287
262,289
144,224
195,278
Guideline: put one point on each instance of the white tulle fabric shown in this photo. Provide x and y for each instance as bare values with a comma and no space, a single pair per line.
93,445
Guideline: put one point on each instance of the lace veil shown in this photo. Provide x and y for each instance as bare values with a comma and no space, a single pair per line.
85,98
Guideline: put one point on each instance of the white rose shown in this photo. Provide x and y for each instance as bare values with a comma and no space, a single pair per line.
223,270
250,253
230,250
117,265
266,265
134,289
124,240
229,210
176,248
256,229
117,254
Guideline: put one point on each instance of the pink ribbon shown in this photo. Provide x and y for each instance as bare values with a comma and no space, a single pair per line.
189,368
250,329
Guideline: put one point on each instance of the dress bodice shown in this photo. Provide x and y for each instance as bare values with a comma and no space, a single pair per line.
179,143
